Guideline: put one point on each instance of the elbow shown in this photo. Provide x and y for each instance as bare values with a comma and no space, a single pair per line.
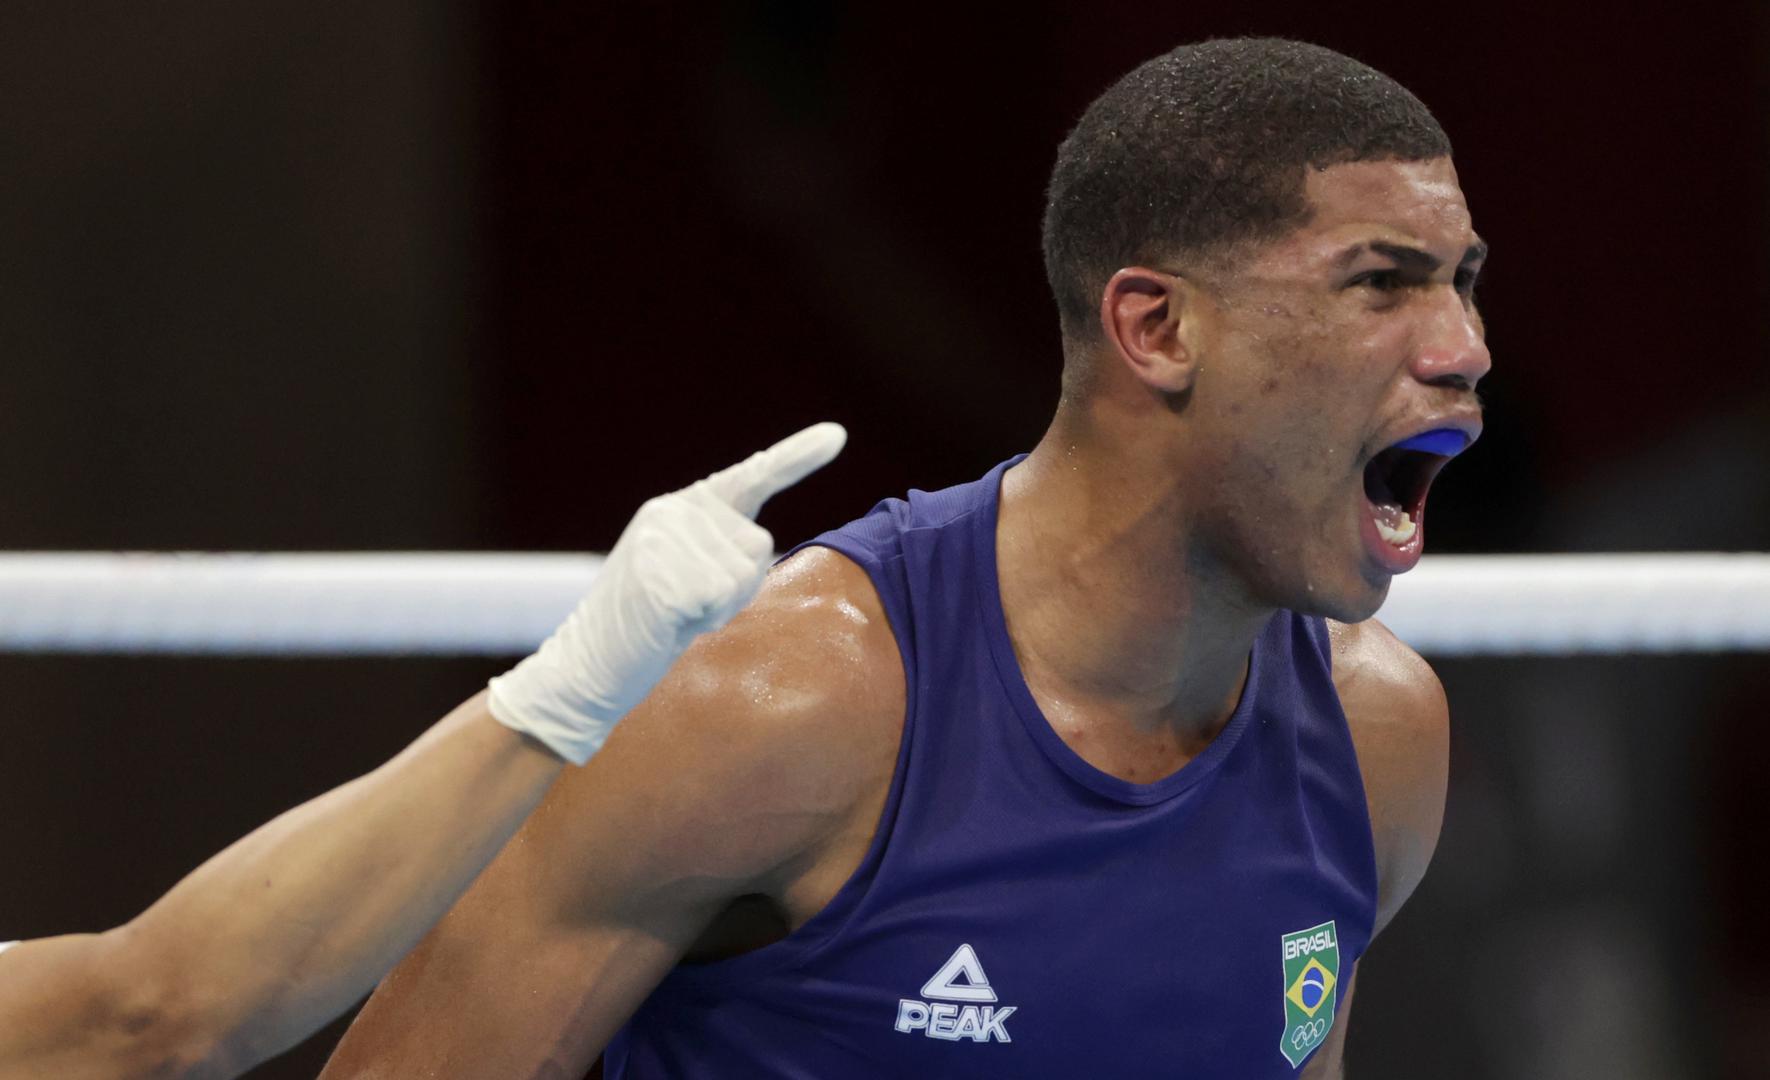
155,1023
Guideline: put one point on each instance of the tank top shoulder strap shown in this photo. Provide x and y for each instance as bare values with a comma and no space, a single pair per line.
1314,629
879,544
875,544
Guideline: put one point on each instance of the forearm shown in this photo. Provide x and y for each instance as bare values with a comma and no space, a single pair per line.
290,925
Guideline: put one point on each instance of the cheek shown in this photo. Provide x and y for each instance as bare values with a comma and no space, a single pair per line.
1294,438
1289,481
1329,387
1292,409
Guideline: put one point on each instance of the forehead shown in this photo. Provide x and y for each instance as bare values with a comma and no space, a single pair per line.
1413,203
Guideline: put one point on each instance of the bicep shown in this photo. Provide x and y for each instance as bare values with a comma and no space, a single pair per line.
1401,728
1408,812
581,914
508,983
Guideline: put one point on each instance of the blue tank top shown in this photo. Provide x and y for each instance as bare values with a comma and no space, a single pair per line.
1022,914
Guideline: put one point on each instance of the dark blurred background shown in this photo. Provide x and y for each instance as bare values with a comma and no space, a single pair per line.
453,275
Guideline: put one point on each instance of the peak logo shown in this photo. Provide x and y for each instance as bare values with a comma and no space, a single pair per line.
960,979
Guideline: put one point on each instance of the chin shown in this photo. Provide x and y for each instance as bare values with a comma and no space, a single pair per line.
1348,602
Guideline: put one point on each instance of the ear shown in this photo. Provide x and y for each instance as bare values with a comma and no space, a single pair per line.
1149,319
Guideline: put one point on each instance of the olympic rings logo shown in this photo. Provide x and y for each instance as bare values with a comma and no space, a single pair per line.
1309,1034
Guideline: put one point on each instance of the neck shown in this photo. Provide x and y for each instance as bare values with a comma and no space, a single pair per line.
1114,604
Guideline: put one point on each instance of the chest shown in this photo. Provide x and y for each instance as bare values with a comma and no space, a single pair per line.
1255,817
976,948
1014,911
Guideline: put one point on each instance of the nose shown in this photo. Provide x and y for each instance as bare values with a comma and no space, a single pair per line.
1453,346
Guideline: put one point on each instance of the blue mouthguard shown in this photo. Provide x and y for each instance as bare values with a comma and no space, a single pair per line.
1446,441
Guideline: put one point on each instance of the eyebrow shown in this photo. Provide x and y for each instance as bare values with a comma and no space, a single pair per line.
1412,258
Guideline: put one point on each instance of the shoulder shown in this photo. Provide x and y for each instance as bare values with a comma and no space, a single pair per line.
811,658
1371,662
762,741
803,690
1400,723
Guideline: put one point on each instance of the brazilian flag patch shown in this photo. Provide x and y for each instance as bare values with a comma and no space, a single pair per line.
1311,973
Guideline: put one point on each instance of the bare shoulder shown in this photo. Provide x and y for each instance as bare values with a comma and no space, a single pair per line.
807,679
1400,723
751,762
1391,695
763,739
1370,661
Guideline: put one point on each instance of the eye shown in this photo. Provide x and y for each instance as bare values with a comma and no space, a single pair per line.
1379,280
1465,280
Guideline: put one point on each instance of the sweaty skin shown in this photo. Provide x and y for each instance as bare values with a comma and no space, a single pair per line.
1211,475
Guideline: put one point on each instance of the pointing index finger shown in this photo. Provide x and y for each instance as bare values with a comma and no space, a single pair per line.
757,478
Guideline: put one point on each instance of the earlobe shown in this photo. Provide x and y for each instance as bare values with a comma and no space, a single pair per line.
1144,315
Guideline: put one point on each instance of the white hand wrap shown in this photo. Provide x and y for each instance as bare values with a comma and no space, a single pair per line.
685,564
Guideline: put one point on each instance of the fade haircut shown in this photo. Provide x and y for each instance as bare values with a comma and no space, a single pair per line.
1205,148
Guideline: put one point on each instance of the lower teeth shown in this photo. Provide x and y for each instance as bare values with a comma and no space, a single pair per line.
1400,534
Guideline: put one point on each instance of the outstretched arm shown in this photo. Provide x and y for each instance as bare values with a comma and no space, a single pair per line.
283,930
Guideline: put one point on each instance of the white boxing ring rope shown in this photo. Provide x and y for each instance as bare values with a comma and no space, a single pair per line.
401,604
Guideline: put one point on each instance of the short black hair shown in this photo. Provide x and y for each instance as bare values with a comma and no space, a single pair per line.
1204,148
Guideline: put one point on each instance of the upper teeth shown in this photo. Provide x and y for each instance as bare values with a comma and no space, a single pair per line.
1399,535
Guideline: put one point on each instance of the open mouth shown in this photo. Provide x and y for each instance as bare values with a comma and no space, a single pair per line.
1395,485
